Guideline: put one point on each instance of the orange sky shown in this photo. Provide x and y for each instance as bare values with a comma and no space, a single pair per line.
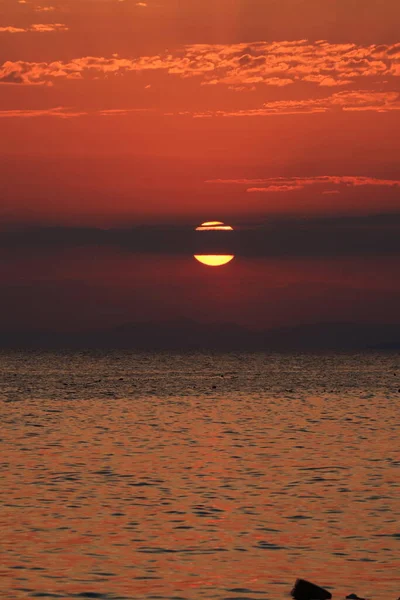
119,112
121,109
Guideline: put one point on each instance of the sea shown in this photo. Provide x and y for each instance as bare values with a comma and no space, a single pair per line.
202,475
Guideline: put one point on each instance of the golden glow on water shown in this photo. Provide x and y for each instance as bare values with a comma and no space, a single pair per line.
128,478
214,260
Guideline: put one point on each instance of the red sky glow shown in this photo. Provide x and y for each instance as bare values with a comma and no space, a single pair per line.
118,113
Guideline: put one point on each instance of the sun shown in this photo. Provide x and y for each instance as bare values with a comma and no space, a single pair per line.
214,260
214,226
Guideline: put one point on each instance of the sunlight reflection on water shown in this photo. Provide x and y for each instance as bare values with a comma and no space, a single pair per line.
204,476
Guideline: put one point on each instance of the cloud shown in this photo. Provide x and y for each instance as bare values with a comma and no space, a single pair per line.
36,28
356,101
290,184
60,111
10,29
319,67
115,112
48,27
371,235
64,112
277,188
279,64
320,63
39,8
352,101
44,8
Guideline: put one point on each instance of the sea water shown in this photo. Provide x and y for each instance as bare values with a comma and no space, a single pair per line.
221,476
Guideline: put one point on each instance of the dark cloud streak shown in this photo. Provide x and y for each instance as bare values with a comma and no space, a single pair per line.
377,235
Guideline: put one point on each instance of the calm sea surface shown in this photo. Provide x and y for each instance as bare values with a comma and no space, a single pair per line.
145,476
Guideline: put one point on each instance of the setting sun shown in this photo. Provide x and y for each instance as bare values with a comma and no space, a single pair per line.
214,260
214,226
257,139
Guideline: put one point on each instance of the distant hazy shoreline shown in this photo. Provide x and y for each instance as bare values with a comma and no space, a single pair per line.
190,335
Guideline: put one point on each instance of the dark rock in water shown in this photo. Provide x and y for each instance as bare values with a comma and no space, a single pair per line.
304,590
354,597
